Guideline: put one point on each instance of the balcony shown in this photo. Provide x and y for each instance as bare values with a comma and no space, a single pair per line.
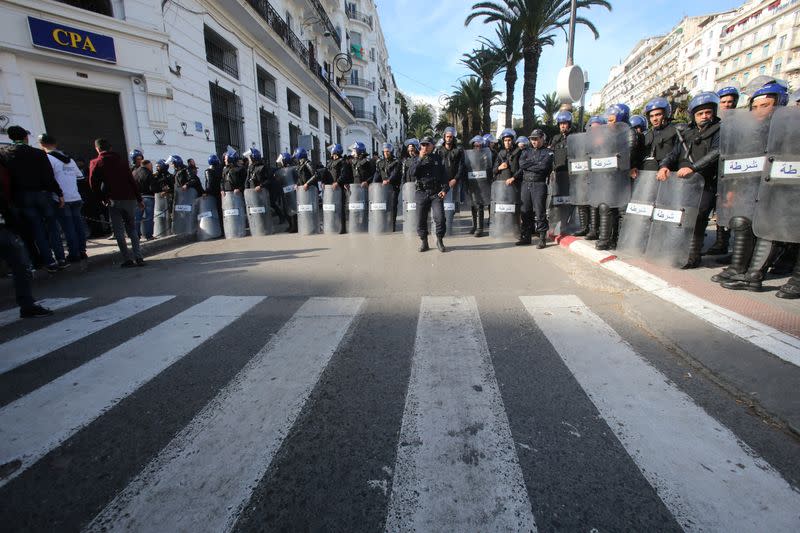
363,84
326,22
365,115
358,16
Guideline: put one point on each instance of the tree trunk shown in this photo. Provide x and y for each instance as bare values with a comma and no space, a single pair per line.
511,81
530,54
486,91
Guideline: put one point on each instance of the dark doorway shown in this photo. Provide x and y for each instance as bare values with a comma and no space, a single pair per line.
77,116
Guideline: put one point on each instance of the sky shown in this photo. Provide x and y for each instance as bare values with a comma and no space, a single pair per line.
427,39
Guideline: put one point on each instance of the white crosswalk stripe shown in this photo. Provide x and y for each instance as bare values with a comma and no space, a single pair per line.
230,444
9,316
38,422
38,343
708,479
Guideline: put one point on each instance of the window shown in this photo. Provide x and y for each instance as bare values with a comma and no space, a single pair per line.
293,103
313,117
765,51
327,122
266,84
294,136
735,63
781,42
316,150
356,50
746,77
221,53
762,69
226,114
749,58
102,7
338,135
372,54
778,65
358,103
772,29
270,136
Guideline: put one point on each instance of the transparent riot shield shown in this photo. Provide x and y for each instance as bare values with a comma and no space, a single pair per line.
777,214
578,160
287,177
505,210
674,219
208,223
559,203
742,147
380,214
449,204
634,231
184,219
609,165
233,215
357,209
331,209
258,214
410,213
161,216
479,171
307,210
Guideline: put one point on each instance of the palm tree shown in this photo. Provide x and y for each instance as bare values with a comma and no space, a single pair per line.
466,103
508,48
486,65
549,106
536,20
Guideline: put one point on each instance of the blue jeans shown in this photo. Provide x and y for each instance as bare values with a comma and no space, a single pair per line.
144,219
36,208
71,222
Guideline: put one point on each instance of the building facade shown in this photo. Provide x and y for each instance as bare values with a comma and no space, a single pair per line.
195,76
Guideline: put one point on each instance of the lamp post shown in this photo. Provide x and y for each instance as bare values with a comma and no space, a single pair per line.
341,63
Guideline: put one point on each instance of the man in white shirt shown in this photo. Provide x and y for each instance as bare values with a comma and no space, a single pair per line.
69,217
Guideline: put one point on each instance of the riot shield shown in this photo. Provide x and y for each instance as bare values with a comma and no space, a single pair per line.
184,221
777,215
559,203
505,210
208,223
161,216
358,216
742,146
380,214
578,159
410,213
307,210
479,169
634,231
674,219
258,213
233,215
287,177
331,209
449,204
609,165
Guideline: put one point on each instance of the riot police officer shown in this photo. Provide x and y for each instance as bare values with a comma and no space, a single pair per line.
587,215
137,156
163,178
432,182
561,167
535,166
660,140
409,158
258,174
478,216
363,166
505,164
213,181
728,97
388,172
184,180
491,143
453,157
698,152
639,124
341,175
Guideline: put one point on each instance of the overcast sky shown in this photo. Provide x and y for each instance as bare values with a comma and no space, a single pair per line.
427,38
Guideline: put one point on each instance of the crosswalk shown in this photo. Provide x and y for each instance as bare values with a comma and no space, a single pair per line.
455,448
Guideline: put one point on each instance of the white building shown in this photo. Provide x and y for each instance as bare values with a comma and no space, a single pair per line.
194,76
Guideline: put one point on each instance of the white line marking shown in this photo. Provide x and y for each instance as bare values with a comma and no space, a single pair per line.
10,316
708,479
40,421
457,467
204,477
38,343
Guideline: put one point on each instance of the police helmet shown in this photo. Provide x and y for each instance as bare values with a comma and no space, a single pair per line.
477,139
489,139
254,154
766,86
658,102
703,99
231,154
300,153
508,132
175,160
387,146
136,153
412,142
359,147
564,116
336,149
638,121
730,90
621,112
523,141
284,158
596,119
451,130
213,159
161,165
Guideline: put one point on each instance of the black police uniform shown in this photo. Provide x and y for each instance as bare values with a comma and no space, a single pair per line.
431,178
363,169
390,170
561,168
658,143
455,169
535,166
341,173
213,186
184,177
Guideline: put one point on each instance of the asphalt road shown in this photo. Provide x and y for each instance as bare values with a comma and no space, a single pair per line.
350,383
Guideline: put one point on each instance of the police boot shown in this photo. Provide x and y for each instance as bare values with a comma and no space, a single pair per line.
743,243
695,245
293,224
791,290
604,233
785,259
440,245
751,280
542,240
423,245
525,231
594,222
720,246
583,219
615,218
474,220
480,233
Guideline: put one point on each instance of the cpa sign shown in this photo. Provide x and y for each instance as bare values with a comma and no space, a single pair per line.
50,35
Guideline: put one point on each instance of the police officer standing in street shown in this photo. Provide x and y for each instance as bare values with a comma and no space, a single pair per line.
660,140
213,182
432,185
453,157
257,171
535,166
561,166
388,172
409,159
341,176
505,164
363,166
184,179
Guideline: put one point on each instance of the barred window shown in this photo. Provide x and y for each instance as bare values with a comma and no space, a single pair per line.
313,116
221,53
293,102
102,7
294,136
270,136
266,84
226,114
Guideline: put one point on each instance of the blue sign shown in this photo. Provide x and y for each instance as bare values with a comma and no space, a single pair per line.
62,38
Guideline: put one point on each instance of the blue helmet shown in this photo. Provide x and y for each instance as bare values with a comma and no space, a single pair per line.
359,147
523,140
451,130
477,139
621,112
658,102
161,165
175,160
489,139
231,154
596,119
703,99
213,159
773,87
508,132
412,142
299,153
336,149
254,154
564,116
387,146
730,91
136,153
638,121
284,158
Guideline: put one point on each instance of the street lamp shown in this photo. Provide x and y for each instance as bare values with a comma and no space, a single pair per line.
341,63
